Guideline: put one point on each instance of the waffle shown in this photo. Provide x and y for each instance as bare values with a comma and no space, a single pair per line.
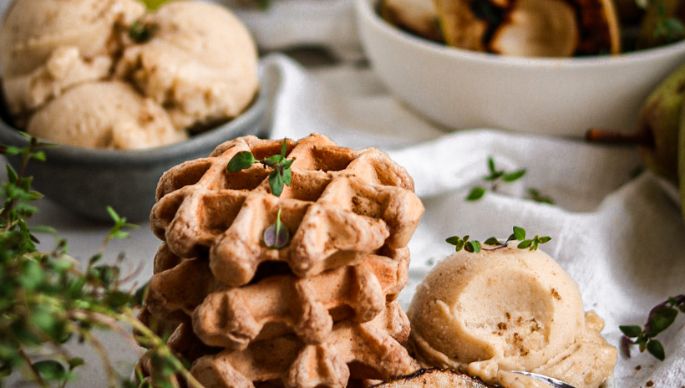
353,350
233,318
276,305
341,203
178,285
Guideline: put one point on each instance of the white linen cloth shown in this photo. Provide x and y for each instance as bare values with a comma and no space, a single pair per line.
621,239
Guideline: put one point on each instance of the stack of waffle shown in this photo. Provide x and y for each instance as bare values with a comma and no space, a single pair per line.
320,311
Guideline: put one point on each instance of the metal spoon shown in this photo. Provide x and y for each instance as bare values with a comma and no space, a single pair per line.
549,380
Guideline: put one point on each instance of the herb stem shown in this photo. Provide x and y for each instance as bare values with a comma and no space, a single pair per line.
32,368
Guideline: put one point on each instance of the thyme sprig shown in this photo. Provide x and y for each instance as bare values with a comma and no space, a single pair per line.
46,299
275,236
493,243
281,174
660,318
495,178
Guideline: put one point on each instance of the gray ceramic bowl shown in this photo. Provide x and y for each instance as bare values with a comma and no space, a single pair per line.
86,181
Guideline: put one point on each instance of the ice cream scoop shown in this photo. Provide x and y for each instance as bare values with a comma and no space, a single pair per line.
47,46
504,310
200,63
104,115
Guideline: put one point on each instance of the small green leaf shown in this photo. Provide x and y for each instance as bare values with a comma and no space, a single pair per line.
631,331
491,165
492,241
12,150
75,362
473,246
476,193
287,176
514,176
656,349
544,239
519,233
113,214
50,370
454,240
12,175
241,161
31,274
525,244
276,183
39,156
660,318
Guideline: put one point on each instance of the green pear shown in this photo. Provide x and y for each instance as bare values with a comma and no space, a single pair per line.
660,122
659,127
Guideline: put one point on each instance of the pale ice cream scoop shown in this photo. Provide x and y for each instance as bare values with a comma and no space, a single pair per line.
504,310
104,115
48,46
200,63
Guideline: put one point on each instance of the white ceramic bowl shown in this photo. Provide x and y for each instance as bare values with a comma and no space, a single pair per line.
463,89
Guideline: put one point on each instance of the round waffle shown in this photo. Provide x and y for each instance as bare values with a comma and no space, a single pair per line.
341,203
371,350
276,305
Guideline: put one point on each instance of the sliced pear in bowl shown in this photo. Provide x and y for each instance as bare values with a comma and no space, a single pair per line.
538,28
531,28
417,16
461,26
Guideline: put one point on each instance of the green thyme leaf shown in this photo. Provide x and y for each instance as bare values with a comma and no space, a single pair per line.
454,240
50,370
276,183
514,176
75,362
473,246
491,165
241,161
475,194
660,319
492,241
631,331
287,176
656,349
537,196
525,244
519,233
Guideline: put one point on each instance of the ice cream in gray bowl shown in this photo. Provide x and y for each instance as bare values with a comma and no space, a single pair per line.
124,93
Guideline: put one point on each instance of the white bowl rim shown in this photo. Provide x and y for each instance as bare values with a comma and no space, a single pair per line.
366,10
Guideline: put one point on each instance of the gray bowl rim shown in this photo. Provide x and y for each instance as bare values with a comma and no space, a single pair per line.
145,157
367,9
